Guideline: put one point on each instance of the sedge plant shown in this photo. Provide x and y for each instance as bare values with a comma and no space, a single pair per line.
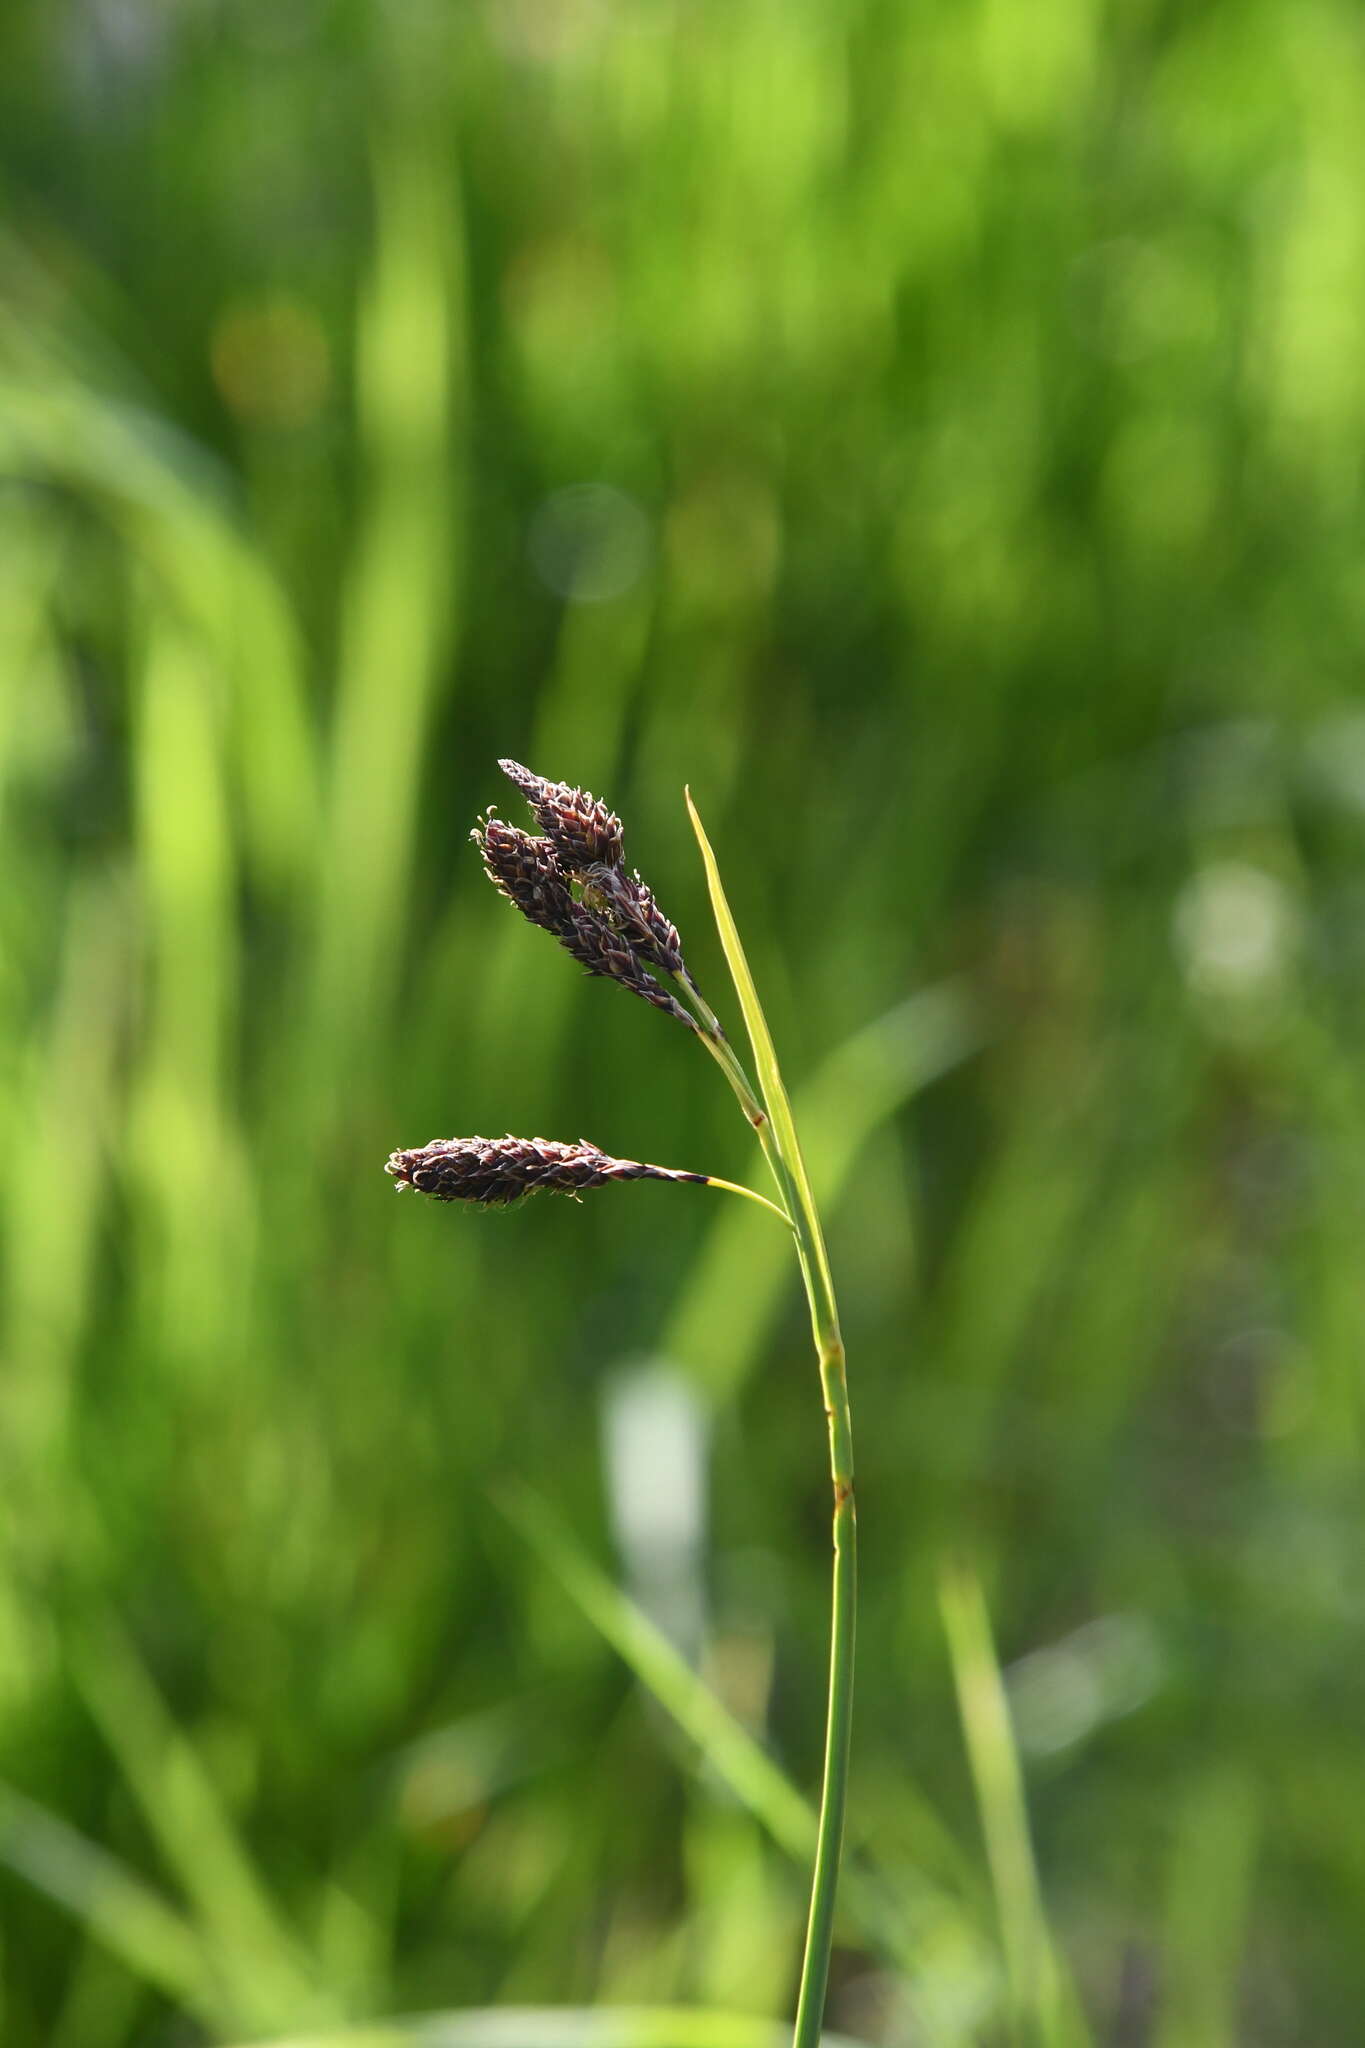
570,878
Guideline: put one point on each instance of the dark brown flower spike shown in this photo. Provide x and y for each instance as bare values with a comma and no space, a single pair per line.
587,841
497,1171
597,944
583,832
528,873
632,904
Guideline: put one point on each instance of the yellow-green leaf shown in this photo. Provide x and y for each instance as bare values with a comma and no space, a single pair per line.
769,1076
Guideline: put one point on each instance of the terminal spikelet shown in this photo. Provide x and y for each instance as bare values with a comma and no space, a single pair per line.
583,832
529,872
587,841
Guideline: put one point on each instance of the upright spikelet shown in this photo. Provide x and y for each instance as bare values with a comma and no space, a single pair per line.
529,873
588,843
526,872
584,833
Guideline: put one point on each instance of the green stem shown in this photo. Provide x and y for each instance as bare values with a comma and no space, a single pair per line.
713,1037
723,1053
777,1135
839,1720
810,2005
733,1187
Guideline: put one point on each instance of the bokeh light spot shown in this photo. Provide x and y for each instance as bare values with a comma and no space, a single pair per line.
589,542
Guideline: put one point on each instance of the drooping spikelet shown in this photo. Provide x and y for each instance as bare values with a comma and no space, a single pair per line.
497,1171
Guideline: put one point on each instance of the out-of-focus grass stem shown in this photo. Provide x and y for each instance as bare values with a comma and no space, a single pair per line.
1043,2007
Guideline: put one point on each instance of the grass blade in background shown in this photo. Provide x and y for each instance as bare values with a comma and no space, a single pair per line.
1043,2009
903,1913
728,1747
402,596
155,1942
195,1832
1212,1870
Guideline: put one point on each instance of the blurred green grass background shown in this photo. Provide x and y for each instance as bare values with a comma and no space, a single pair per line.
934,432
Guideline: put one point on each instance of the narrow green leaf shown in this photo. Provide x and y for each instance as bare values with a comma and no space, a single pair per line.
770,1082
727,1746
1040,1992
130,1920
1215,1826
273,1979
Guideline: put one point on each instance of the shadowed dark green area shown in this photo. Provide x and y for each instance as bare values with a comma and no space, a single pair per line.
933,432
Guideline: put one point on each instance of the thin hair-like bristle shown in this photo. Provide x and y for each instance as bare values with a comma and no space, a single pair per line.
494,1172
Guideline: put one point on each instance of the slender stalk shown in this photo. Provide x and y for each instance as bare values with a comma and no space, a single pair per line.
810,1251
727,1059
713,1180
839,1720
776,1130
829,1347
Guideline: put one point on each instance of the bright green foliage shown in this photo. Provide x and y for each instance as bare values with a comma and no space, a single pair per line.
970,398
